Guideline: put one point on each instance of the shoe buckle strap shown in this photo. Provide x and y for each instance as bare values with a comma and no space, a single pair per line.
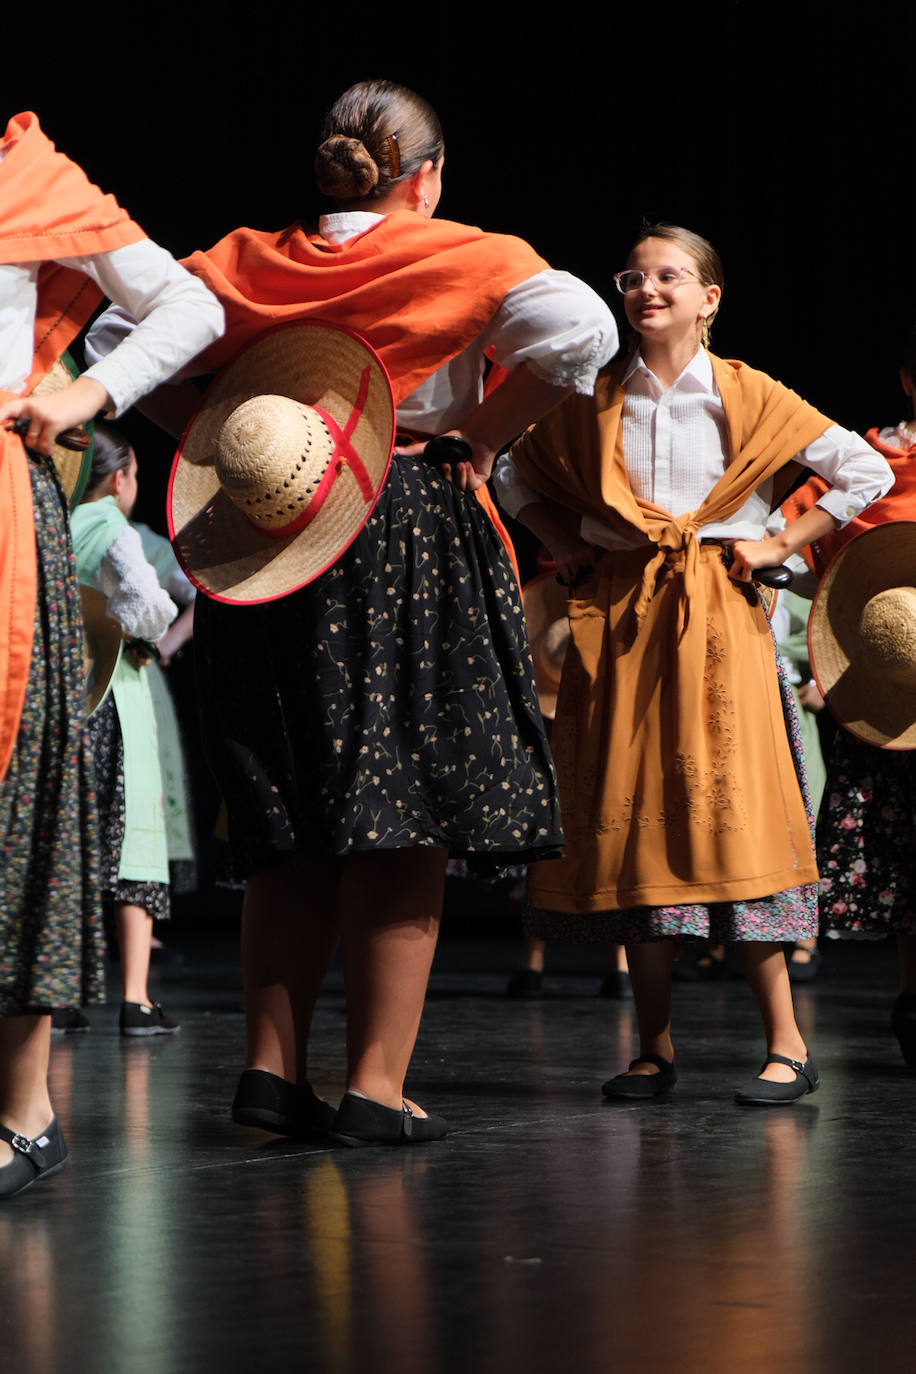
31,1149
407,1123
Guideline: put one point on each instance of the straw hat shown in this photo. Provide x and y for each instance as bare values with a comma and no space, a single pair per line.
72,468
102,641
862,635
545,604
282,465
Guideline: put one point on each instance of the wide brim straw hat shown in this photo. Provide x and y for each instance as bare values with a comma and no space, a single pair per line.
862,635
545,603
72,468
282,465
102,646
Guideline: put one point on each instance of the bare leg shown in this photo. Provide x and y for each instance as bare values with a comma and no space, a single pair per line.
650,974
135,932
533,954
765,968
906,959
390,903
25,1043
289,933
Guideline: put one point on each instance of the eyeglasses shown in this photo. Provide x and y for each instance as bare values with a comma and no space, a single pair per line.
664,276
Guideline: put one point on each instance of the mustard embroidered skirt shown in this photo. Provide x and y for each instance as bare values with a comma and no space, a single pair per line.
677,779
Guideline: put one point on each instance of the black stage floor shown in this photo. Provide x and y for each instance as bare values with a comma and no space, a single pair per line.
550,1231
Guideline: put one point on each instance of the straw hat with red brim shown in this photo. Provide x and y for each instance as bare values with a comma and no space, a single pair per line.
862,635
282,465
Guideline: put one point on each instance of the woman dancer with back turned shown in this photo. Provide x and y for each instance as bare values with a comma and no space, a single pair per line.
458,761
63,245
682,808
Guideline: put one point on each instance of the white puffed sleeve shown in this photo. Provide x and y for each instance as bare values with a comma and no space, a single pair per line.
177,317
556,324
511,492
129,582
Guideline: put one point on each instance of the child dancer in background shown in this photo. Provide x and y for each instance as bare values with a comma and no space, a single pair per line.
135,867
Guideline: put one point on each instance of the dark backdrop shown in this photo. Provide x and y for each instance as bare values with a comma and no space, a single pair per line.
783,133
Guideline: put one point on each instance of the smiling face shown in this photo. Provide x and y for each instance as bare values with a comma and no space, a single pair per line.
668,311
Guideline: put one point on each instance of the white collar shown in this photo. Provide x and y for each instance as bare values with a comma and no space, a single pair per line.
346,224
698,370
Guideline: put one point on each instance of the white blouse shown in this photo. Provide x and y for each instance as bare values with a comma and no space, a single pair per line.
553,322
675,446
130,585
178,317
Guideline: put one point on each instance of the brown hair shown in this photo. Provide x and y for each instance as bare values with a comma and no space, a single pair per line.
375,135
708,263
111,452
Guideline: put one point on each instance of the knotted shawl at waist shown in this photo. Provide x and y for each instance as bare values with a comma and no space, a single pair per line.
574,456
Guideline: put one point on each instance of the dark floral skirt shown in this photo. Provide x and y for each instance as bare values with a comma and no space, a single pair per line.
788,915
866,840
50,919
108,756
388,704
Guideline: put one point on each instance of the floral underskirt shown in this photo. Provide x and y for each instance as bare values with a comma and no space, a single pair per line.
866,841
781,916
51,941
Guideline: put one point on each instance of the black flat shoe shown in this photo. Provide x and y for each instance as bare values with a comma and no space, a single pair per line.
616,985
804,971
903,1024
360,1122
761,1092
32,1159
643,1085
525,985
272,1103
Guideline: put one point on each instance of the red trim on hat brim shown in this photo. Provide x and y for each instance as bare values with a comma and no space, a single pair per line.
170,524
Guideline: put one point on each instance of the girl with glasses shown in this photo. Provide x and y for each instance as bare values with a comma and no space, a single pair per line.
681,785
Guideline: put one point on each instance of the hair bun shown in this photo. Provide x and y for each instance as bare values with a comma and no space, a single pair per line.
344,168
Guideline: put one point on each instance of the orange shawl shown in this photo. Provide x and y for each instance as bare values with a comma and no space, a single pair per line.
418,290
575,457
48,209
898,504
676,780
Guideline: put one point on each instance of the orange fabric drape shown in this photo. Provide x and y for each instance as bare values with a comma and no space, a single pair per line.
676,778
403,283
48,209
406,281
898,504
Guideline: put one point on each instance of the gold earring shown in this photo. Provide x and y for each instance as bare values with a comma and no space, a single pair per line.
704,335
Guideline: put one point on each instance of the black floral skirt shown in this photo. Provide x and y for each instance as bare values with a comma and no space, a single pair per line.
388,704
51,940
866,840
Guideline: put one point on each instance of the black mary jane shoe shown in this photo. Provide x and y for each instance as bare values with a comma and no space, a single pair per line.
640,1086
903,1024
763,1092
804,971
32,1159
360,1122
272,1103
